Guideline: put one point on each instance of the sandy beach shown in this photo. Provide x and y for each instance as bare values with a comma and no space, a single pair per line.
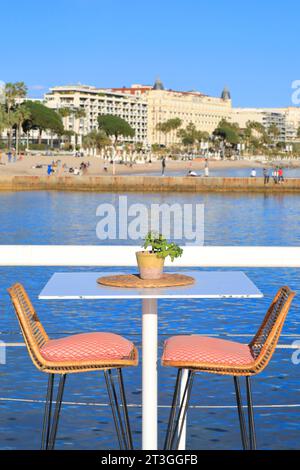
36,165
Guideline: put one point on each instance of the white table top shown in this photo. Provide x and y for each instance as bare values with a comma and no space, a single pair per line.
208,284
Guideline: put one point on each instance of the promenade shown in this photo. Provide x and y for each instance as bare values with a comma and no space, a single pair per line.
147,183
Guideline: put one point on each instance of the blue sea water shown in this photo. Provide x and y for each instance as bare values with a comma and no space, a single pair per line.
86,423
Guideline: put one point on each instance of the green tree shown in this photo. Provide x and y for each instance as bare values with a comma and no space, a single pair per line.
12,92
42,118
257,126
273,131
255,135
96,140
168,126
21,114
68,134
191,135
228,132
64,112
114,126
3,119
79,113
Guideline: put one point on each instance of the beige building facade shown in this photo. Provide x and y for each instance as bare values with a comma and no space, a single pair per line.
205,112
146,106
94,102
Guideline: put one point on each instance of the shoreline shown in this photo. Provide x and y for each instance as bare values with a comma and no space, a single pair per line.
146,184
28,166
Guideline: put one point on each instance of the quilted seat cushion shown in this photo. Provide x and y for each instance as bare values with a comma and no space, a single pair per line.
196,349
86,347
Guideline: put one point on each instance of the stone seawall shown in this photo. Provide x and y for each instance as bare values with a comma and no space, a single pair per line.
144,184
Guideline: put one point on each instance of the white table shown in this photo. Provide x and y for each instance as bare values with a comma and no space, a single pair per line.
208,285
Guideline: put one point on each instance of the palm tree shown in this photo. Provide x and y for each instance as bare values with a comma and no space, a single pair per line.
190,135
167,126
20,115
78,113
96,140
64,112
174,124
274,131
12,91
255,135
68,134
3,119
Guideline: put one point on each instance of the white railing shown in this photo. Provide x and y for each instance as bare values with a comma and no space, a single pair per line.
193,256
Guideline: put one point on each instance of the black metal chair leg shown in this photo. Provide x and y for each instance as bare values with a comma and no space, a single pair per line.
183,407
173,411
125,410
117,406
244,436
250,415
59,397
111,400
187,402
47,413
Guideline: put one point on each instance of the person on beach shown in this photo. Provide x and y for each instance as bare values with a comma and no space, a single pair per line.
280,175
206,169
266,175
163,166
9,155
54,167
49,169
253,173
0,157
83,168
275,175
191,173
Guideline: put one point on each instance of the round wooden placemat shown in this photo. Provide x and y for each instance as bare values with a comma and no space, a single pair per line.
134,281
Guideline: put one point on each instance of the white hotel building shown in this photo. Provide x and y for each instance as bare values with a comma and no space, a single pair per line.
95,101
287,120
144,106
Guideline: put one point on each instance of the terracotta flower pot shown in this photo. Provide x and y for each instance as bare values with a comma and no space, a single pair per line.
150,265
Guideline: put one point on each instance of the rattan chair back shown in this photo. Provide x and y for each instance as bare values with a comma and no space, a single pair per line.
36,337
264,342
33,332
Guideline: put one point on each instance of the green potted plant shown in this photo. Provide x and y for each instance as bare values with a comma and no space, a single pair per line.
156,250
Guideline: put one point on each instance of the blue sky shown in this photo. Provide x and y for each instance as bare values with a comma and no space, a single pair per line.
253,47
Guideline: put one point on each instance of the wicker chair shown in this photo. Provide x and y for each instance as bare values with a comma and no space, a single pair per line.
74,354
217,356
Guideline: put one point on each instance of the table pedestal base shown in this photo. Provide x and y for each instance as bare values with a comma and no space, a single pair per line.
149,371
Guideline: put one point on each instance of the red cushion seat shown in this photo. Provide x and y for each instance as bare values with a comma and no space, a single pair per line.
196,350
88,347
